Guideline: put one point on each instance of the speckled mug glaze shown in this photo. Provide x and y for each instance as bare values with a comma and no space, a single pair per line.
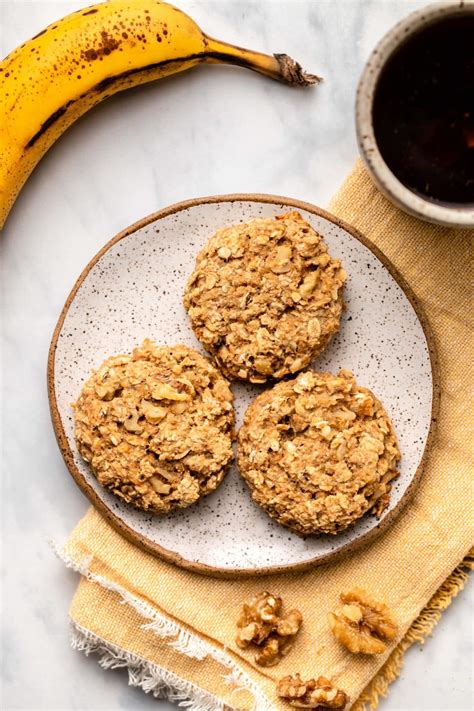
386,181
133,289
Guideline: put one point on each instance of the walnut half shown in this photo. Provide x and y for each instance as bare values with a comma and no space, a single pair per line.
363,624
312,694
261,623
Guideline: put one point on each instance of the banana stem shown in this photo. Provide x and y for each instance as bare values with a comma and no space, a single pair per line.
279,66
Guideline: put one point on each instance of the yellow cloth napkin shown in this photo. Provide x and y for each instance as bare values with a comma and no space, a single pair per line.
174,630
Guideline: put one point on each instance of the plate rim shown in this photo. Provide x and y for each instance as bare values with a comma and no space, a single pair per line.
141,540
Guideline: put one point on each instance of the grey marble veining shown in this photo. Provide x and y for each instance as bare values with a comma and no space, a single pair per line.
213,130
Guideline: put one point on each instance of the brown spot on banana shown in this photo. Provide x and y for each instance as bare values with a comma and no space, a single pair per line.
108,45
49,122
36,36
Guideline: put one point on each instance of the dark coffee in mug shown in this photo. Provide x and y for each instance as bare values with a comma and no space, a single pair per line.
423,111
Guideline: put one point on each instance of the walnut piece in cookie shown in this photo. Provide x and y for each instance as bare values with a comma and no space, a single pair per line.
317,693
318,452
156,426
262,623
265,297
363,625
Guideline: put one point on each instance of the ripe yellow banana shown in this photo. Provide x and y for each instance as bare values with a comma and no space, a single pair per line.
72,65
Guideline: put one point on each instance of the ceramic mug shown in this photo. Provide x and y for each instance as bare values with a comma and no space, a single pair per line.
453,215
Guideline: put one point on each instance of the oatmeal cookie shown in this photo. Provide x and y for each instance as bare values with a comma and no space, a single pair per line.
156,426
318,452
265,297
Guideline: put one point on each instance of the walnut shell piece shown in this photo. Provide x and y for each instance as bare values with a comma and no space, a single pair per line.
313,694
156,426
363,625
265,297
261,623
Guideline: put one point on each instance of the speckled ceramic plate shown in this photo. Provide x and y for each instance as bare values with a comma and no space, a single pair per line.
133,289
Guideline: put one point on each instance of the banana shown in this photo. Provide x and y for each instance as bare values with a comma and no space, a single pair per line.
55,77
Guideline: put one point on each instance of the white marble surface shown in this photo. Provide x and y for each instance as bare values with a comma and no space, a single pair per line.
215,130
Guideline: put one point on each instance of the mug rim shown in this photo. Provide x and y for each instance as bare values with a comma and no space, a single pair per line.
451,215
